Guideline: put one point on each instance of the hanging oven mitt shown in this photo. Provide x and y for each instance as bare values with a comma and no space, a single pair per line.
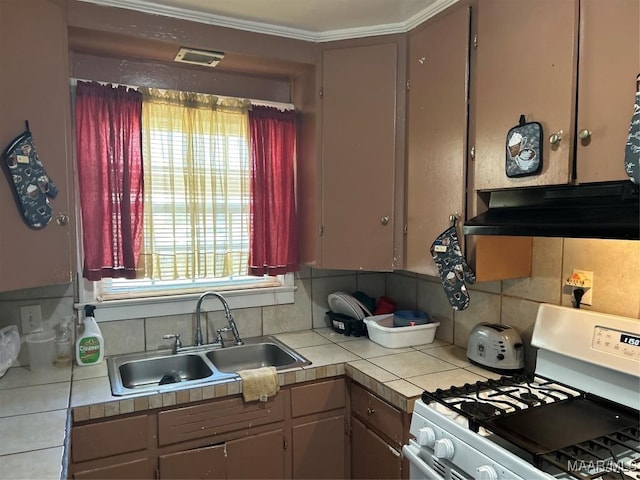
453,268
32,187
524,149
632,150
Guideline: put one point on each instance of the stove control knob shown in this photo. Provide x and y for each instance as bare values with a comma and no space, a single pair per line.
443,448
426,437
486,472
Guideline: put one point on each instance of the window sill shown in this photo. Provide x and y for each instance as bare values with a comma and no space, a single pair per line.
126,309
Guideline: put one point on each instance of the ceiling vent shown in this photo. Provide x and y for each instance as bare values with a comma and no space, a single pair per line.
199,57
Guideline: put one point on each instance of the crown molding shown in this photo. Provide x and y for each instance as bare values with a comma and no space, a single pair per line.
431,11
277,30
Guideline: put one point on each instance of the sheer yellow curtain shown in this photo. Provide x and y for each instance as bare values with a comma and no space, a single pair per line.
196,186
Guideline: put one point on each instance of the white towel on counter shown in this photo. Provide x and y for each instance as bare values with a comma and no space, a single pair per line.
259,383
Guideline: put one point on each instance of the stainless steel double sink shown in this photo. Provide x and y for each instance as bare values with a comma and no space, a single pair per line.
162,371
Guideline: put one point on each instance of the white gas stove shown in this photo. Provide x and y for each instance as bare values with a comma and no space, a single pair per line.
576,417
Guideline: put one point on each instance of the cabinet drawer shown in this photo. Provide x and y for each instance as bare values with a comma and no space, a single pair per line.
377,413
214,418
317,397
109,438
137,469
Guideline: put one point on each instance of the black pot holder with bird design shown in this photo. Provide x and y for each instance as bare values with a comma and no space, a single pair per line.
453,268
32,188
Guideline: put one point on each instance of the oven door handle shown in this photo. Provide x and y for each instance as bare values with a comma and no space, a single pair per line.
411,452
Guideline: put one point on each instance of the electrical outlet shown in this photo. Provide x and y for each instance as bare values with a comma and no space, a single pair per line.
31,318
582,279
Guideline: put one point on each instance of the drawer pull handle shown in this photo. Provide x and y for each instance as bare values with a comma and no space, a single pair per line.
370,411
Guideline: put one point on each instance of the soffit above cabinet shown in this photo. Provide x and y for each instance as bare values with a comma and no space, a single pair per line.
124,45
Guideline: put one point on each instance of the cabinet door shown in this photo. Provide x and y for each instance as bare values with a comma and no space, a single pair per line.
34,86
371,456
377,413
319,448
436,133
207,462
358,156
526,57
609,63
257,456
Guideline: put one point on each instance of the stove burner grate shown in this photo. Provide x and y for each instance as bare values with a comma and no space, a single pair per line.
484,400
610,457
530,398
479,409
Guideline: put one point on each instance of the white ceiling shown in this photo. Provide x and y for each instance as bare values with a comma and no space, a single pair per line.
311,20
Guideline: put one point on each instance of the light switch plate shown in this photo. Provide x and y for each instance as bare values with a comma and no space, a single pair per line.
31,318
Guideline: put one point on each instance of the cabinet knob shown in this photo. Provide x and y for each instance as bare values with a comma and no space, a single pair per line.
385,220
555,138
62,219
584,134
370,411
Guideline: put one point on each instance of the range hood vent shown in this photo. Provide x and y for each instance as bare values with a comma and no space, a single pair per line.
198,57
595,210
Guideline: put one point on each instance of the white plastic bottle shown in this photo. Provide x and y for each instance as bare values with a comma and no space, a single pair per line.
90,344
64,342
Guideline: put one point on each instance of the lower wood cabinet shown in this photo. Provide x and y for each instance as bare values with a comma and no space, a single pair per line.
372,456
378,431
257,456
306,431
319,430
205,462
319,448
299,433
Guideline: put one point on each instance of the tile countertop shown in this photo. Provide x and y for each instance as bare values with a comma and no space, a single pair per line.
34,407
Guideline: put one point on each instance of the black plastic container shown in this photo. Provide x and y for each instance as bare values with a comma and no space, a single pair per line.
346,325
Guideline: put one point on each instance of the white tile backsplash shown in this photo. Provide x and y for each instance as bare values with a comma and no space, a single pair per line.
614,262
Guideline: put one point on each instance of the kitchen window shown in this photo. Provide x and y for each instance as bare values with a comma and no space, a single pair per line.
193,233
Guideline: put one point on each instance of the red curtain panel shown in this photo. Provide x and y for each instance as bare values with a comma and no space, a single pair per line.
109,157
274,242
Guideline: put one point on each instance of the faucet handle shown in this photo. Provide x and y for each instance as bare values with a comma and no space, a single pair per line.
177,344
219,336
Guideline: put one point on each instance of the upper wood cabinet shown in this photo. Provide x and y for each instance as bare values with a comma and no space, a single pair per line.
526,54
436,133
34,86
358,158
609,61
527,64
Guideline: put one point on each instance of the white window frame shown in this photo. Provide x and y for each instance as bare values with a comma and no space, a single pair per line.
169,305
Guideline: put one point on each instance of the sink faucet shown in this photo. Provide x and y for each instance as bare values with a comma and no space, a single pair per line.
227,314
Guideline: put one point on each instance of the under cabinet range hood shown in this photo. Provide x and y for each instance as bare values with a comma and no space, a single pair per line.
595,210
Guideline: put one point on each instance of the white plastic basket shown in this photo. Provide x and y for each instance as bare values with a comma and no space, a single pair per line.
381,330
